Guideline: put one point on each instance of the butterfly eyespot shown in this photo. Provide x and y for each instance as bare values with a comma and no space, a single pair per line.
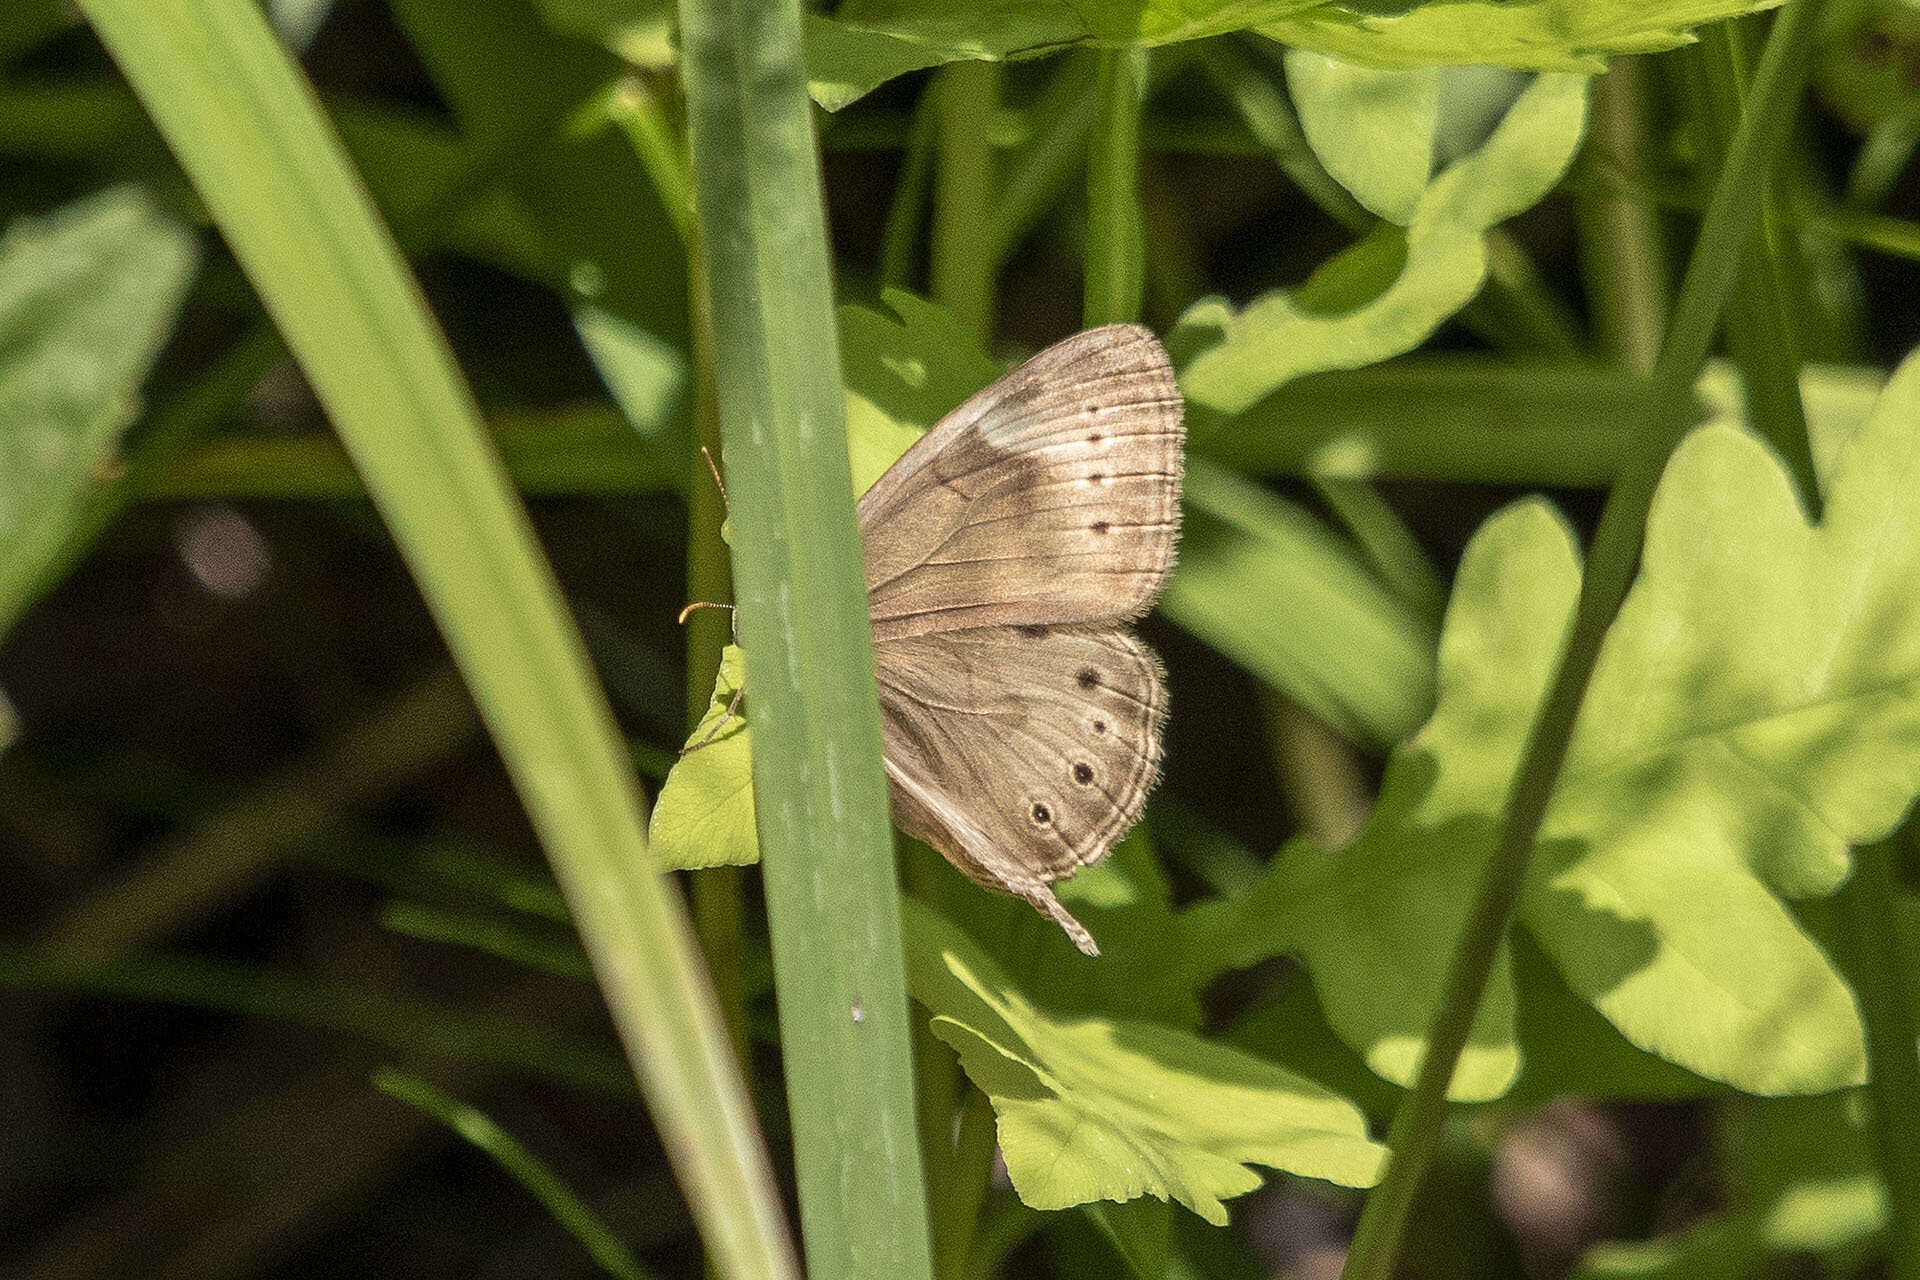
1088,677
1042,815
1083,773
1099,726
1095,438
1095,477
1100,527
1032,633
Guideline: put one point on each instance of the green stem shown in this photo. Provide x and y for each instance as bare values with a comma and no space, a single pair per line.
1115,248
1731,217
826,843
715,894
1624,263
1866,911
963,270
1758,323
1623,258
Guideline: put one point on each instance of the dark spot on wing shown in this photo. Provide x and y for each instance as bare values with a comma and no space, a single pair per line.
1032,633
1100,526
1088,678
1042,814
1099,726
1083,773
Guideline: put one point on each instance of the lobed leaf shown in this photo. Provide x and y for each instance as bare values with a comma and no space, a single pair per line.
1755,711
1098,1109
1389,291
1534,35
703,816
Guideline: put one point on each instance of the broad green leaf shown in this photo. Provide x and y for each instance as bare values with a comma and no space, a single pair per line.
1388,292
868,42
87,296
1097,1109
704,814
1535,35
646,376
1372,128
1754,712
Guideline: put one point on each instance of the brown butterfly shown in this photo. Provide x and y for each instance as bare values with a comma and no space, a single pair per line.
1006,551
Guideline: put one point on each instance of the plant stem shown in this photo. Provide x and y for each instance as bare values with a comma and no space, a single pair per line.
1731,216
1620,243
714,894
963,269
833,901
1115,249
1866,911
1758,323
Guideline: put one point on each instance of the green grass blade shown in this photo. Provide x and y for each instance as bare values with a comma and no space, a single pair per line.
248,131
832,898
529,1170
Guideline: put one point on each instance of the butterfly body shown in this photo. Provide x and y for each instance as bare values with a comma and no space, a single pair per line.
1006,552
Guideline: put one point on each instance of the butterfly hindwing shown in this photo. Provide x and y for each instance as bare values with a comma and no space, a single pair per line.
1050,497
1021,753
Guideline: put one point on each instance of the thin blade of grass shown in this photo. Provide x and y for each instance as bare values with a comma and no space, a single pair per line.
248,130
529,1170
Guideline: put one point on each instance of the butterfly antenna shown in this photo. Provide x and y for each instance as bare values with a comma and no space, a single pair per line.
718,483
733,704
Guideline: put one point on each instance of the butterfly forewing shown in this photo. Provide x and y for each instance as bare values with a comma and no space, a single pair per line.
1003,550
1050,497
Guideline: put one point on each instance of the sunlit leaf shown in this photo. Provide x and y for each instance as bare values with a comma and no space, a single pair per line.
704,814
1097,1109
1388,292
1754,713
1372,128
1536,35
